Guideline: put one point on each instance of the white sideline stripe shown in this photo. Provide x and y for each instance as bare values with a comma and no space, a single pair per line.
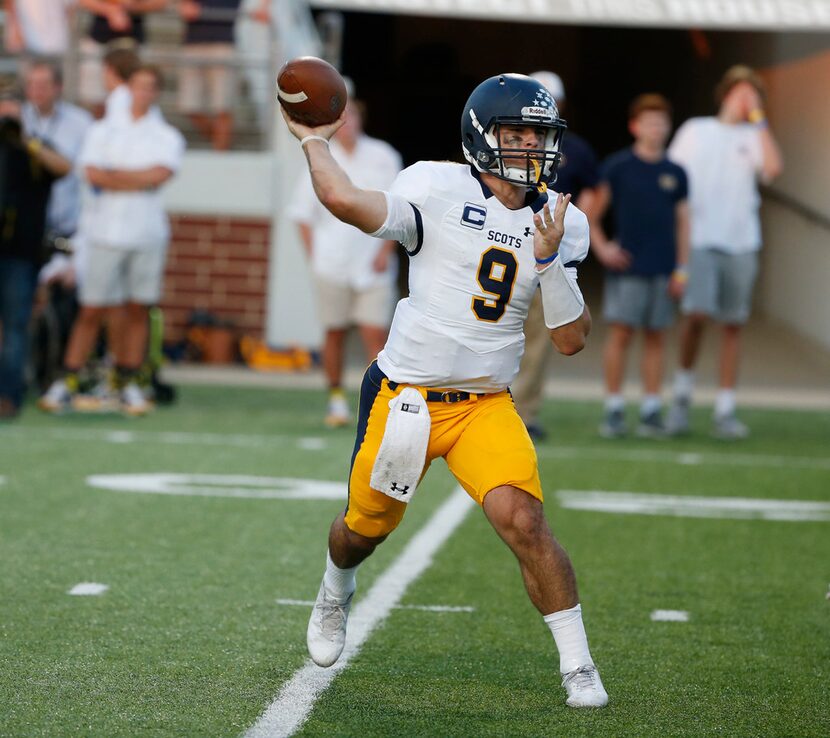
424,608
292,706
243,440
689,506
88,588
670,616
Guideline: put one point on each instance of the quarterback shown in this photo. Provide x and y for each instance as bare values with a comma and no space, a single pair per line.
481,238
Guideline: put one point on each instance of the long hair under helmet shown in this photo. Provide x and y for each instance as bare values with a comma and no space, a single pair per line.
516,100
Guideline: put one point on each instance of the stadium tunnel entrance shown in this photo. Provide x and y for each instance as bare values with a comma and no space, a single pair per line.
415,73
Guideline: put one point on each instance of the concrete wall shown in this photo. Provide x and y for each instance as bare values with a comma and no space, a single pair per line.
796,257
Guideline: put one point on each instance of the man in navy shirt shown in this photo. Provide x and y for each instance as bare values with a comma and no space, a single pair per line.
646,262
577,176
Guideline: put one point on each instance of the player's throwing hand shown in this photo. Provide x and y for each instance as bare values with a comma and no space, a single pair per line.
550,228
301,131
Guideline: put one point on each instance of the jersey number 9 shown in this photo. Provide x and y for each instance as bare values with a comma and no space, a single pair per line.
496,275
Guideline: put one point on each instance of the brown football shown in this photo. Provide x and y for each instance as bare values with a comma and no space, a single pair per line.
311,91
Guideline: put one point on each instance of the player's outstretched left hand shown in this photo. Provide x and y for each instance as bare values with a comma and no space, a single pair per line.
300,131
550,228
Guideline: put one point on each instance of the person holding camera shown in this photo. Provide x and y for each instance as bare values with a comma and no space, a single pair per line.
28,167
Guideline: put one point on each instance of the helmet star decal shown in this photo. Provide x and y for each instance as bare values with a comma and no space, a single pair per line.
543,99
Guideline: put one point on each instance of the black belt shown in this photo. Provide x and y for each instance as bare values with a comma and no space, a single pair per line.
446,396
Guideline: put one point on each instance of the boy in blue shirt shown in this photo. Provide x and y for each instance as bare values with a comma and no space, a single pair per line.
646,261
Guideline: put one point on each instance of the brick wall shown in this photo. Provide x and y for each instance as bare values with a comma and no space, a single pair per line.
218,264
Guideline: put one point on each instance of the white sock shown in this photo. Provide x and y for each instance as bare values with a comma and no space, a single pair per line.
724,403
569,634
684,383
614,403
339,582
650,404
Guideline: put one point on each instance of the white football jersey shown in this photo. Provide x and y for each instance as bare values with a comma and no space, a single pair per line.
472,274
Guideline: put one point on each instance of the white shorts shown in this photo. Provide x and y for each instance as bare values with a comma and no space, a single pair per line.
341,306
91,89
207,88
114,276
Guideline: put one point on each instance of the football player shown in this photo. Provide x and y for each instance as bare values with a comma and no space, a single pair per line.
481,238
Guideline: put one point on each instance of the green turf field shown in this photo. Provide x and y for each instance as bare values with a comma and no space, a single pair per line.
189,639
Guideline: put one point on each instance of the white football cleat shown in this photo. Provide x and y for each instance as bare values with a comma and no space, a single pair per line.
584,687
326,634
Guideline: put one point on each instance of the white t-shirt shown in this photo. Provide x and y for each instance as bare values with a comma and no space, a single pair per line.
723,163
130,220
341,252
472,275
44,25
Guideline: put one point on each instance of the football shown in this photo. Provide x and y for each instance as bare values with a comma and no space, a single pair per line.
311,91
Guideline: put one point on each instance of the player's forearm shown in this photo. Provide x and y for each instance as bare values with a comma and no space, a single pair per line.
364,209
570,339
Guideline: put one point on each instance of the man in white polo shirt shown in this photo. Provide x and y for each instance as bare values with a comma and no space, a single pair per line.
354,273
125,161
724,158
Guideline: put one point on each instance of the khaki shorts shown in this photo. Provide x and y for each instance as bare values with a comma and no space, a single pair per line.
483,440
206,88
341,306
114,276
91,89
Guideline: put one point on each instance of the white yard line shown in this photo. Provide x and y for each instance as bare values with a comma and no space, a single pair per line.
243,440
292,706
670,616
692,506
423,608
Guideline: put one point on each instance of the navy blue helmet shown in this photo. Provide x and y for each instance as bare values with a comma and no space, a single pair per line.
516,100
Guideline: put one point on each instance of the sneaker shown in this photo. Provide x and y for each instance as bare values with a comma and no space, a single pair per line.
613,425
651,426
57,399
326,633
584,687
338,413
677,423
133,401
729,428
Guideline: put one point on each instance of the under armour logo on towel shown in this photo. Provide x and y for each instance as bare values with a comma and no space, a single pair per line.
403,489
407,408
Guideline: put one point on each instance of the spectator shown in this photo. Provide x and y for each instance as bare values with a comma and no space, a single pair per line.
120,61
207,91
724,158
125,162
353,272
27,169
63,127
646,262
37,27
111,20
578,176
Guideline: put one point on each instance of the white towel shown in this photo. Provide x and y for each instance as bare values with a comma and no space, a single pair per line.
403,451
